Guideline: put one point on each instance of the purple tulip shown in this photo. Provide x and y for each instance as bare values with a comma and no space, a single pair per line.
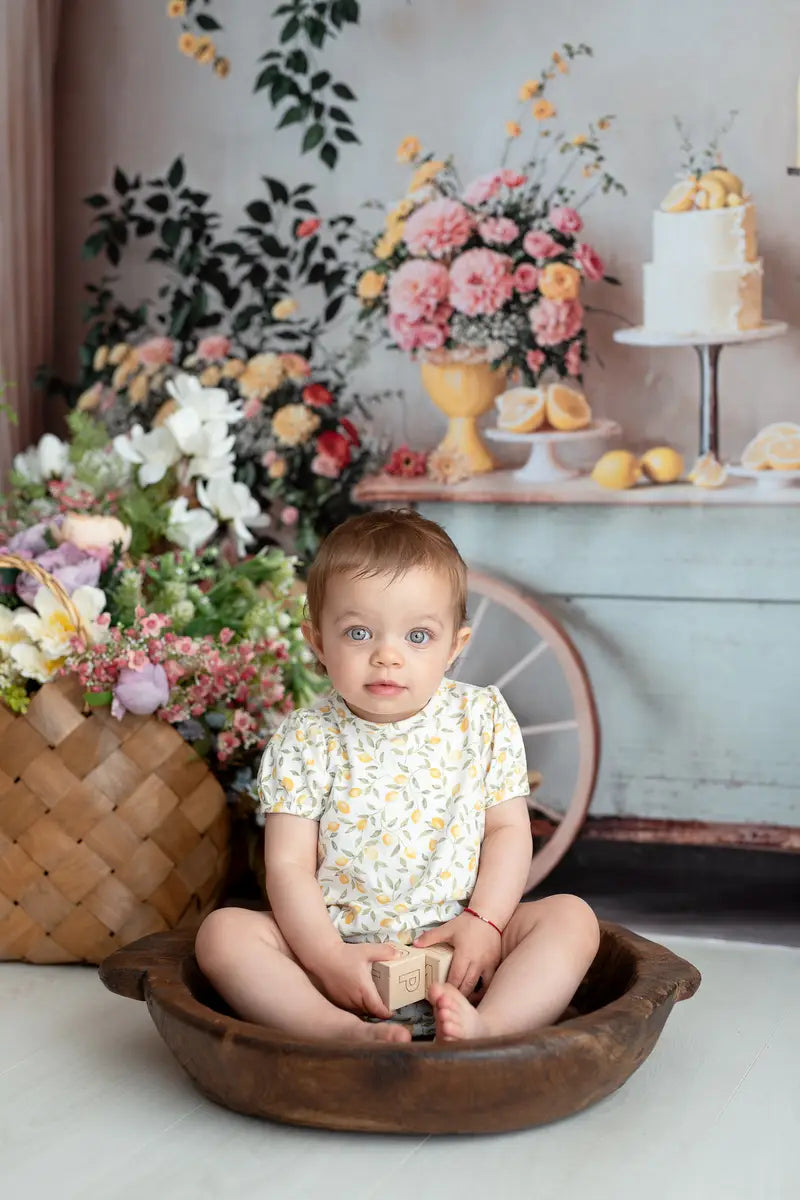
141,691
71,567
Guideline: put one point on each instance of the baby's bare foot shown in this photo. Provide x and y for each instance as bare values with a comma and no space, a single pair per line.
456,1019
386,1031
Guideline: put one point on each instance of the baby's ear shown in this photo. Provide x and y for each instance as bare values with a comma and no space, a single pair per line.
312,637
460,640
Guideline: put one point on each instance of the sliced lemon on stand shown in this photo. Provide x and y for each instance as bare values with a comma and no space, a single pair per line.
708,472
779,429
755,456
662,464
520,409
783,453
567,409
618,469
680,197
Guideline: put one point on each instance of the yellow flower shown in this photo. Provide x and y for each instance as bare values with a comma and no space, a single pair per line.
126,368
294,424
284,309
589,170
187,44
408,150
447,467
513,129
139,389
205,50
222,67
263,373
233,368
277,468
603,123
176,8
559,62
389,241
399,212
211,376
370,285
579,139
120,351
424,174
100,358
89,400
529,89
543,110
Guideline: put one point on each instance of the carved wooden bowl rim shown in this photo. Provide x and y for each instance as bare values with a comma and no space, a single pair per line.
518,1081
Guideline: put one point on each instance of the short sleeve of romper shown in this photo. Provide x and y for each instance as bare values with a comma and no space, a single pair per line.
507,771
294,777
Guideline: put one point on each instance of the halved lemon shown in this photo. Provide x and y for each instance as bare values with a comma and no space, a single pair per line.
520,409
567,409
618,469
708,472
715,189
731,182
680,197
755,456
784,453
662,464
779,429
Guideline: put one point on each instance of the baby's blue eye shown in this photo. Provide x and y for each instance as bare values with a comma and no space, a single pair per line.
358,634
419,637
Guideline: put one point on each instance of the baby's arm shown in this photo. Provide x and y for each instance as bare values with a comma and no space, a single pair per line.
505,860
290,850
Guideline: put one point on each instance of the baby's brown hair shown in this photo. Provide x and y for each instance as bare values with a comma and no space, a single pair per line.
387,542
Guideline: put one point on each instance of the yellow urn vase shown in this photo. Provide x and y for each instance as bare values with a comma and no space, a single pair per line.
464,390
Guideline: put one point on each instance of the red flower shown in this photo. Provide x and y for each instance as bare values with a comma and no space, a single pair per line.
307,227
335,446
317,396
407,463
351,433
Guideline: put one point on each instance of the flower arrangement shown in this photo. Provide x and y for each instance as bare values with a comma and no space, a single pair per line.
499,265
265,442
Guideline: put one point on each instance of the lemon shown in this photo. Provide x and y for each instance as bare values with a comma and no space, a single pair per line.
715,190
567,409
520,409
734,200
708,472
784,453
680,197
755,456
662,464
731,182
779,429
618,469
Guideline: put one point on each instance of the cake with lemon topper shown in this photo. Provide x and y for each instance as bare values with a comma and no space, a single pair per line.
706,276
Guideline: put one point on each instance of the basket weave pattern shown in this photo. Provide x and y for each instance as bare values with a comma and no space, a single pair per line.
109,830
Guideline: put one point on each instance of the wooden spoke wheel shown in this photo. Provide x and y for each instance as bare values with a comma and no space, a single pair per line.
520,648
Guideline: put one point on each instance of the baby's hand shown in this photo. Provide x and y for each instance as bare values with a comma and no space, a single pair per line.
347,976
476,951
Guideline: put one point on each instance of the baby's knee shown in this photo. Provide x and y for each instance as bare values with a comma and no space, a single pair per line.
579,917
217,937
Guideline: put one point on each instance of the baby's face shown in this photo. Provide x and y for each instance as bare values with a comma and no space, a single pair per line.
385,643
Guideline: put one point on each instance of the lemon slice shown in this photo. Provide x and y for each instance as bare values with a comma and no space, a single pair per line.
784,453
618,469
779,429
708,472
755,456
520,409
680,197
662,464
567,409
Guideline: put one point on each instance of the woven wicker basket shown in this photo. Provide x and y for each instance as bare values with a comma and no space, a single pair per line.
109,829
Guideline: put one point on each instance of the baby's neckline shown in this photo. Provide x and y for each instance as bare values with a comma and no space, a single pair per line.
394,727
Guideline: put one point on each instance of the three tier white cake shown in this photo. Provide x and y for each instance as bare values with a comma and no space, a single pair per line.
706,276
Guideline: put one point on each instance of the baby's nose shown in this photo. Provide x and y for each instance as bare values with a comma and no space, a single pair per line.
386,653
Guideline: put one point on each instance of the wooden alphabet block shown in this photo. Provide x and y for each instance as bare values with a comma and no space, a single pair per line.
437,964
401,980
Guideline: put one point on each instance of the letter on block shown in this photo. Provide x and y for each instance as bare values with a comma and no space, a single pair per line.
437,964
401,981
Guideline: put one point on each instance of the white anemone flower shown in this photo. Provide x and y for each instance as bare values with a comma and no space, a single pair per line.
51,627
33,664
207,444
210,404
189,527
47,460
10,634
154,452
231,502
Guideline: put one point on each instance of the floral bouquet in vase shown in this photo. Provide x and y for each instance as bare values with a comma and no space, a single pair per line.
483,282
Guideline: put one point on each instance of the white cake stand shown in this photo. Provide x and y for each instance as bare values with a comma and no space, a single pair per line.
708,348
544,465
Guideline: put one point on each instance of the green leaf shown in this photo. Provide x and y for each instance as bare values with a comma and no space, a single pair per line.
206,22
159,202
297,61
266,77
345,135
291,117
278,190
329,154
121,183
349,10
315,31
338,114
95,201
171,232
260,211
343,91
176,173
314,135
320,79
290,30
98,699
93,245
332,309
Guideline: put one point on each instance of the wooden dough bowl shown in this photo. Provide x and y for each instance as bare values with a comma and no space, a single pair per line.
420,1087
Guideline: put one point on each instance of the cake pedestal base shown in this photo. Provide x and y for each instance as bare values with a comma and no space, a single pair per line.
708,349
544,465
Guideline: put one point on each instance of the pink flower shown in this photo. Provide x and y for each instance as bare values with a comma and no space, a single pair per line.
535,360
483,188
252,408
500,230
324,465
565,220
480,281
213,346
407,463
152,624
268,458
526,277
556,321
140,691
513,179
227,742
289,515
295,366
431,337
539,244
417,289
437,227
307,227
404,332
572,359
589,261
156,351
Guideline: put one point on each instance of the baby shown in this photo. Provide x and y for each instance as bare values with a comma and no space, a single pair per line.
395,810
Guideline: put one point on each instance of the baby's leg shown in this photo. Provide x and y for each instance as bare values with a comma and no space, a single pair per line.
249,962
547,947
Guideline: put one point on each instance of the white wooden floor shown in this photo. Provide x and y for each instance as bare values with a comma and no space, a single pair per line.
93,1105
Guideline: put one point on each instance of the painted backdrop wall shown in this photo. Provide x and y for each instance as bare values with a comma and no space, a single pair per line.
448,70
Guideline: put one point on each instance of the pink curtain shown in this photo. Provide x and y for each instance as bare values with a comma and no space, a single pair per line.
28,41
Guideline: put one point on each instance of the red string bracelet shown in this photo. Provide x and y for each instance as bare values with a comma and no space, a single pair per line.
472,913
